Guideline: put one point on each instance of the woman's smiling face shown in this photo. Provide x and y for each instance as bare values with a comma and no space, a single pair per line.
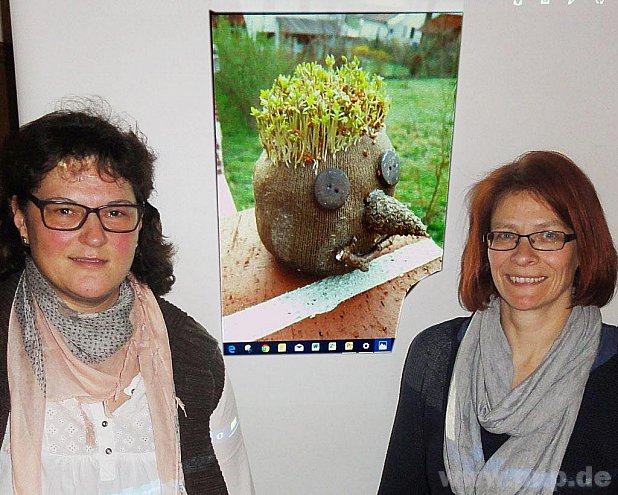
527,279
85,266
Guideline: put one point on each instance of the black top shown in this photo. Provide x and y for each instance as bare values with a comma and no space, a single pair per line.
414,462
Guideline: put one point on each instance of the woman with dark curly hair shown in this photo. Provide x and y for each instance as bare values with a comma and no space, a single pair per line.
521,397
93,363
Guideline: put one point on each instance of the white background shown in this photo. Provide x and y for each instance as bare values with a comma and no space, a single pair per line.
538,76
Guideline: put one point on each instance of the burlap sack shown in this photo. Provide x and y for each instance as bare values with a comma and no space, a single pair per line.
296,229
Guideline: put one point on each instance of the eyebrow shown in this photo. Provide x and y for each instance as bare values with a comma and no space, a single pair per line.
113,202
552,225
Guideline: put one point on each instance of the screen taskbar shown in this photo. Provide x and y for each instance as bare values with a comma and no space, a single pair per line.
307,347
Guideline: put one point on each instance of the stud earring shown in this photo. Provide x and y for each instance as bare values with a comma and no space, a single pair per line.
25,241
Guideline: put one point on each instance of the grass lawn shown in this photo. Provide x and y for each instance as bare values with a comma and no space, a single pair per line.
419,124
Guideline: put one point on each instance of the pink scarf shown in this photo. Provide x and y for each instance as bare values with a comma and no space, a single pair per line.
147,352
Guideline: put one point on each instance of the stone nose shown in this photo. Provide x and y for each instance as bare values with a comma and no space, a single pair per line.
389,216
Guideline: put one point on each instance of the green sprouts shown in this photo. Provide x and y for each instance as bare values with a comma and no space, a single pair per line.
319,111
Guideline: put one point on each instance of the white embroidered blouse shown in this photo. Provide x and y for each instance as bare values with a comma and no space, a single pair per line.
121,460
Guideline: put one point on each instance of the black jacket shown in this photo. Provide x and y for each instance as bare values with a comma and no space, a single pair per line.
414,461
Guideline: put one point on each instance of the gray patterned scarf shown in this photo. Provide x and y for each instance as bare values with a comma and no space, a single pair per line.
91,337
538,414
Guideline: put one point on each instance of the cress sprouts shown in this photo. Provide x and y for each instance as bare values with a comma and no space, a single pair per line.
319,111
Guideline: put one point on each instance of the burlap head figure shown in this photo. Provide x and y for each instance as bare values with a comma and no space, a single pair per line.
325,209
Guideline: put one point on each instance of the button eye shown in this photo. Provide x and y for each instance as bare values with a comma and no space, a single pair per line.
389,168
331,188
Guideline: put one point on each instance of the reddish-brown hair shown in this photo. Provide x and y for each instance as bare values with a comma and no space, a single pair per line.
558,182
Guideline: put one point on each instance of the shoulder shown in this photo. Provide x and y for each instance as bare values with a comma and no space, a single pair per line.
180,324
611,330
608,346
609,333
433,349
434,339
8,286
195,353
189,340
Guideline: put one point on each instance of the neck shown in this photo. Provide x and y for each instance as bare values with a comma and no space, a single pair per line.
532,330
530,335
80,305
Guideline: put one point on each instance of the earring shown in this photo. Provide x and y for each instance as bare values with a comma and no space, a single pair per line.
24,241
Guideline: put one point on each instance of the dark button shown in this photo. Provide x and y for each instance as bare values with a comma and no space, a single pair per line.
331,188
108,451
389,169
104,424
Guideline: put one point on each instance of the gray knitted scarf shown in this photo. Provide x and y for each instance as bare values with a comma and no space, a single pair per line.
91,337
539,414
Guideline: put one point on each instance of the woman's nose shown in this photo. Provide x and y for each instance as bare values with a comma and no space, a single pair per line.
92,232
524,254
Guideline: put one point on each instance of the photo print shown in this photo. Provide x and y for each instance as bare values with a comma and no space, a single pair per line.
333,146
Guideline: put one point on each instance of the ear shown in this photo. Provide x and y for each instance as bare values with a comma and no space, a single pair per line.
19,218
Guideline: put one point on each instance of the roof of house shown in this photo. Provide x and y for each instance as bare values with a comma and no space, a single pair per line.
378,17
442,23
303,25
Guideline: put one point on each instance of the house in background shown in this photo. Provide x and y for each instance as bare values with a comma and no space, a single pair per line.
317,34
406,27
447,26
373,27
314,32
310,35
301,30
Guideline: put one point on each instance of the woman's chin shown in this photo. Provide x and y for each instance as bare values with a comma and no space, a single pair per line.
90,299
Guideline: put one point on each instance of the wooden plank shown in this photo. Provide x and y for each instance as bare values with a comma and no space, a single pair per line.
263,300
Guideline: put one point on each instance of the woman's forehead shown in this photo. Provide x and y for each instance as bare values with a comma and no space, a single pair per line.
72,169
84,178
524,207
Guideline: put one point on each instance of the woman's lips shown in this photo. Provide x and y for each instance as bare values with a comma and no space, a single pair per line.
87,261
526,280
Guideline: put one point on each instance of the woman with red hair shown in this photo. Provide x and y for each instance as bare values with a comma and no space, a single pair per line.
522,396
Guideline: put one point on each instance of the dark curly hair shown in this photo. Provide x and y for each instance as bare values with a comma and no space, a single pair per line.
118,151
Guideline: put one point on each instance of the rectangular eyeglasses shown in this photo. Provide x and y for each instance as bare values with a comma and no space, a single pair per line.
545,240
67,215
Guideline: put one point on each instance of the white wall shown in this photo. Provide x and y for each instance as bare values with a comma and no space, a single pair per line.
534,76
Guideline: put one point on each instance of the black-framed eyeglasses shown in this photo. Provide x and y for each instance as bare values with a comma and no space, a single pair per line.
67,215
545,240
